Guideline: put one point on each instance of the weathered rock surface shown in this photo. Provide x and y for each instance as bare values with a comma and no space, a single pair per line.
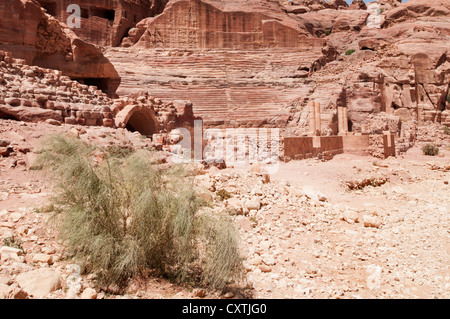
41,40
219,24
105,22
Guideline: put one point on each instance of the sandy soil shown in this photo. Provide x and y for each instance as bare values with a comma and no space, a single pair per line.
311,237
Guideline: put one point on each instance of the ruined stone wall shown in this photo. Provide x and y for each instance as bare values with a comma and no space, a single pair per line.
325,147
32,93
40,39
35,94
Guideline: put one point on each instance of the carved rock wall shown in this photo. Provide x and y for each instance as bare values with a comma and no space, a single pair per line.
30,34
104,22
218,24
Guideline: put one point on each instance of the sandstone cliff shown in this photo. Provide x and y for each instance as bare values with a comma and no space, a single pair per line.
218,24
105,22
41,40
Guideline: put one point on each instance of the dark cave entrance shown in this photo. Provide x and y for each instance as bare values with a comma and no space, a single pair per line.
104,13
141,122
50,6
100,83
350,126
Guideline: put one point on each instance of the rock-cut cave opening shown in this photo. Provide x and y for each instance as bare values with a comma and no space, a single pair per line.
142,122
101,83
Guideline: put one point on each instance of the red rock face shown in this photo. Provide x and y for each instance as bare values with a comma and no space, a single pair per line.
219,24
30,34
105,22
255,62
240,62
397,75
19,37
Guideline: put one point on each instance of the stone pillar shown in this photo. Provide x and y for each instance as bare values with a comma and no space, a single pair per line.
345,119
318,119
312,118
340,116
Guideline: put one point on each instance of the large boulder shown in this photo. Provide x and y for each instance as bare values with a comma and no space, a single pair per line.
40,282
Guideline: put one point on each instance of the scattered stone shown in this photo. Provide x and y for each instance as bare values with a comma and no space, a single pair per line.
235,205
5,280
5,291
371,221
43,258
40,282
253,204
89,293
350,216
4,142
265,268
228,295
4,250
53,122
199,293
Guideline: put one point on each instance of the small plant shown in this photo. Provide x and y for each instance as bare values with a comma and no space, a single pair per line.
430,149
350,52
254,221
223,194
446,130
118,151
12,242
123,216
327,32
448,98
361,184
45,209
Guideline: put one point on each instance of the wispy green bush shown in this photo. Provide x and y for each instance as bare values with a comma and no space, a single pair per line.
123,216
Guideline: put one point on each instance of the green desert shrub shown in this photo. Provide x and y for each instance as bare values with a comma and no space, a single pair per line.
430,149
12,242
446,130
350,52
123,216
223,194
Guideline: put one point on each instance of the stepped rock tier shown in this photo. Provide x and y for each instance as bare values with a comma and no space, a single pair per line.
239,62
35,94
239,87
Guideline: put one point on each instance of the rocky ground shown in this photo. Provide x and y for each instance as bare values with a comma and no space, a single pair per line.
304,233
